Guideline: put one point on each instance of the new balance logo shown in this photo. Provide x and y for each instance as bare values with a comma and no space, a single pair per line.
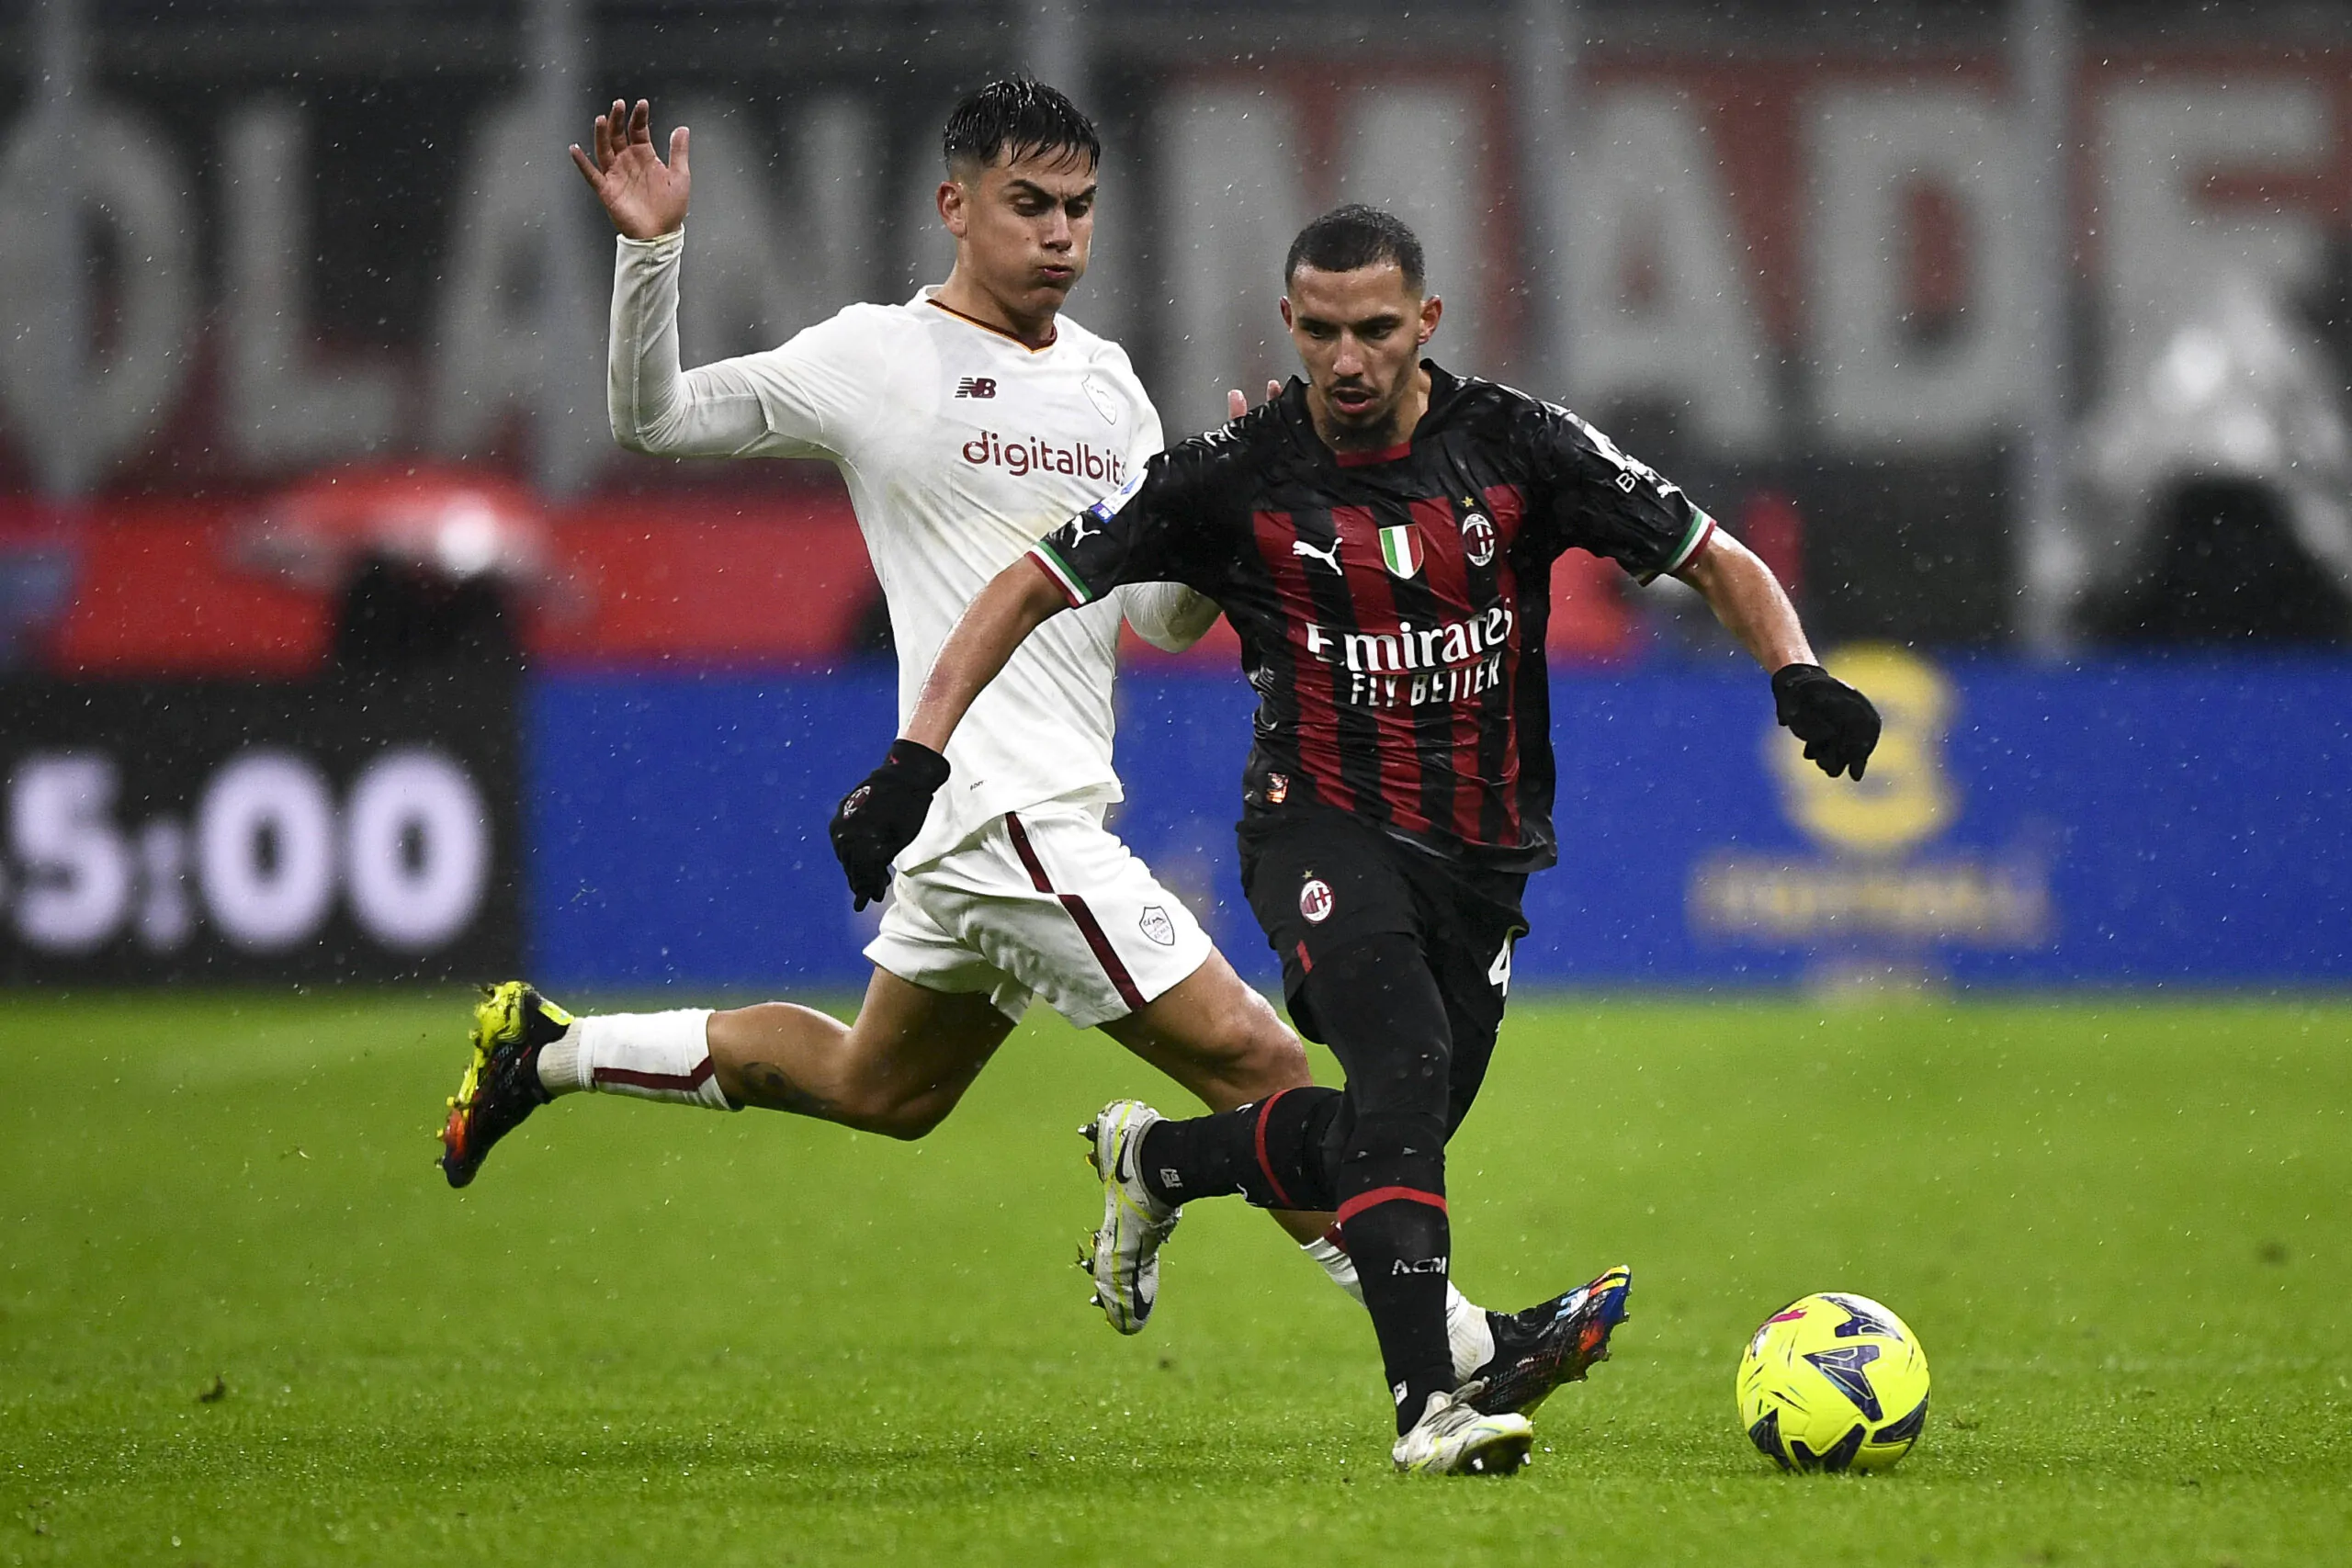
976,387
1328,554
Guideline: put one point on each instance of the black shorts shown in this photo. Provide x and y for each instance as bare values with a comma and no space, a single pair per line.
1320,879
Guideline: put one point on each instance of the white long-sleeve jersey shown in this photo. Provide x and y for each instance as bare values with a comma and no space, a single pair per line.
961,448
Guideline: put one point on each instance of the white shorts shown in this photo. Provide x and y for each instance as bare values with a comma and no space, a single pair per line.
1044,904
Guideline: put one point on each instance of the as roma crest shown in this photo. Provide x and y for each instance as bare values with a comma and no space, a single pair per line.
1400,546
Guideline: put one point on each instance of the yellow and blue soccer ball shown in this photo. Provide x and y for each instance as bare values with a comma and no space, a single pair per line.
1833,1382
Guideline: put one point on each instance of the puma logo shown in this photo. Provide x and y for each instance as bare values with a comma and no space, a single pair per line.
1079,530
1328,554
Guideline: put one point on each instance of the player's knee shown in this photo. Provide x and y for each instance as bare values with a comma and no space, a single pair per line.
1240,1038
1268,1044
1261,1053
1382,1147
1388,1134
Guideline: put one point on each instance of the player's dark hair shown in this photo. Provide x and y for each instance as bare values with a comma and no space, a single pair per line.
1018,119
1356,236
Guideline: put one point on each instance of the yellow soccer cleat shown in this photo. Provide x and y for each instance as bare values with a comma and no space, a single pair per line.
501,1083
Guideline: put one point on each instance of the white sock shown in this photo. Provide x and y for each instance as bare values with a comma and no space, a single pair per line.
560,1071
1467,1333
653,1056
1336,1263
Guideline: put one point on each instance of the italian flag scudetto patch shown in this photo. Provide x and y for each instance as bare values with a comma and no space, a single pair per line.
1400,546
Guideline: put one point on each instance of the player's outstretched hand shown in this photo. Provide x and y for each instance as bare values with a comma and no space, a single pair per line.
643,196
1237,402
882,816
1837,723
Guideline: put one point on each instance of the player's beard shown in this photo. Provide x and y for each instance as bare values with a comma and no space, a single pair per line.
1372,428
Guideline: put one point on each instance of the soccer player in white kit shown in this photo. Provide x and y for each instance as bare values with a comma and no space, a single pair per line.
966,423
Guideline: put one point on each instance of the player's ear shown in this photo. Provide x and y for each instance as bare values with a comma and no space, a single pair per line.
1286,306
955,207
1431,309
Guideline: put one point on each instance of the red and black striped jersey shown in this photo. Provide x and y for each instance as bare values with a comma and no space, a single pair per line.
1391,604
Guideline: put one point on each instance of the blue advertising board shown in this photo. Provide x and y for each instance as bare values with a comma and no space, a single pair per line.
2113,824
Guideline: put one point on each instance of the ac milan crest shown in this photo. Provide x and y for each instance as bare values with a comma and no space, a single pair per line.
1315,900
1478,538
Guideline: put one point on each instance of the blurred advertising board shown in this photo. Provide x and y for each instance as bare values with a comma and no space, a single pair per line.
261,832
1767,255
1737,199
2172,823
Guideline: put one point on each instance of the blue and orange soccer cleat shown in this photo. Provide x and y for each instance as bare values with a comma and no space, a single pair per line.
1557,1342
501,1083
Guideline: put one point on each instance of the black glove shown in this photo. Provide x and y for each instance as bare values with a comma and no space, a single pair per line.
1837,723
882,816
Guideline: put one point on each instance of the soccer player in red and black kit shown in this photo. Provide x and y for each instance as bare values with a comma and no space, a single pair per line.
1382,537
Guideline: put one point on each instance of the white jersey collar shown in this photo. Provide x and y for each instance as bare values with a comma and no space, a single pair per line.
928,295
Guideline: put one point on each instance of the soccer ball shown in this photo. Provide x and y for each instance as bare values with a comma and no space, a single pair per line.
1833,1382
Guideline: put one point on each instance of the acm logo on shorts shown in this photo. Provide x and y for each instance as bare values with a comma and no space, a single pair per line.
1315,900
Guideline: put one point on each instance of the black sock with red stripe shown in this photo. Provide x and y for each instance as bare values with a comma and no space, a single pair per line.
1381,1013
1393,1218
1270,1151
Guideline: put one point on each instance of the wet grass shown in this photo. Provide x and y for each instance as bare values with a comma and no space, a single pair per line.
242,1322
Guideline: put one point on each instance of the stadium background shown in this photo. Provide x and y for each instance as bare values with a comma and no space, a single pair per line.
301,384
347,662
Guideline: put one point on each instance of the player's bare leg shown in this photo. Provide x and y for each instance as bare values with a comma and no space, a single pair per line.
898,1069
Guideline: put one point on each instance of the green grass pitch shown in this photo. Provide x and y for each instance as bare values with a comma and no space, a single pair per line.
652,1335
